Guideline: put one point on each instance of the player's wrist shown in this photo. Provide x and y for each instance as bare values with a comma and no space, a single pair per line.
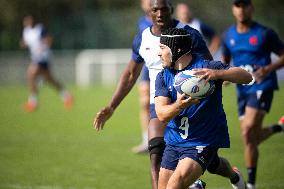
178,106
111,107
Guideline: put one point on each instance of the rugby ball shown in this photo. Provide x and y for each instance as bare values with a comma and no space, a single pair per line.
190,84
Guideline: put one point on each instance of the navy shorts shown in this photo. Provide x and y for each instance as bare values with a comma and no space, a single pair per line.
153,113
145,74
260,100
43,64
204,156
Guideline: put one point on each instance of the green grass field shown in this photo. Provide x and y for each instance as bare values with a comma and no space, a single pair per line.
53,148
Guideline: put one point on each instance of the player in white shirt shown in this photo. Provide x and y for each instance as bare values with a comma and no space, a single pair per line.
184,14
38,41
145,50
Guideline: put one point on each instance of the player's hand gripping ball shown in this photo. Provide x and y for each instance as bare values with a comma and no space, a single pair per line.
190,84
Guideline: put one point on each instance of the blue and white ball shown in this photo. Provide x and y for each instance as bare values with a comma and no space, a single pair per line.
190,84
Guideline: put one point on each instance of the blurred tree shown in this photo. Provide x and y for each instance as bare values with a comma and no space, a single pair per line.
80,24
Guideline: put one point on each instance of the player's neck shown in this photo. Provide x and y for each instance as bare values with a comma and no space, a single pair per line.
183,62
243,27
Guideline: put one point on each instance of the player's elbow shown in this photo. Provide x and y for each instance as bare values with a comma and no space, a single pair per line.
163,119
162,116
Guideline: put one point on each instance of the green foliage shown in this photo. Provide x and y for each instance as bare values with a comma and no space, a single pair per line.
52,148
112,23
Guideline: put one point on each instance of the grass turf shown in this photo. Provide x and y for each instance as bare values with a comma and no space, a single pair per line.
54,148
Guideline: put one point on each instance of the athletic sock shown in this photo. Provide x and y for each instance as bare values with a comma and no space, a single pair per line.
32,99
145,137
276,128
235,178
251,175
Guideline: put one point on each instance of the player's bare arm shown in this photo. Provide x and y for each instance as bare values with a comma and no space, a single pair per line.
167,110
125,84
262,72
233,74
226,60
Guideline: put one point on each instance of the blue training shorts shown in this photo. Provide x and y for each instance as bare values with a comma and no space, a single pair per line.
260,100
204,156
42,64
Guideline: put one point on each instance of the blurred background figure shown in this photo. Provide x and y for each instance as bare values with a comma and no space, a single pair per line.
144,84
36,38
184,14
250,44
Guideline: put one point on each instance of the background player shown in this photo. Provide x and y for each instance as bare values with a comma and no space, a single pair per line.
184,14
250,45
192,136
144,84
38,41
145,50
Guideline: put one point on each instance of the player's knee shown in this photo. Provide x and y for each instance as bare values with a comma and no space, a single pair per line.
214,165
156,146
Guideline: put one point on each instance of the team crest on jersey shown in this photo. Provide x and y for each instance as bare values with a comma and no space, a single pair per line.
232,42
253,40
195,89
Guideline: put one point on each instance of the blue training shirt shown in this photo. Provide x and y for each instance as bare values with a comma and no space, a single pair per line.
203,124
251,50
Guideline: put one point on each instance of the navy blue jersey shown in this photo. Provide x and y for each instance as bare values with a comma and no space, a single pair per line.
143,23
251,50
203,124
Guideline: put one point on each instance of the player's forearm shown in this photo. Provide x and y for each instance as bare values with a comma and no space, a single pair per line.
125,84
214,45
167,112
235,75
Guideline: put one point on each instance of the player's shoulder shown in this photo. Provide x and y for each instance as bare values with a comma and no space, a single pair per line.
265,31
142,35
161,75
262,28
189,29
229,32
231,29
200,62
